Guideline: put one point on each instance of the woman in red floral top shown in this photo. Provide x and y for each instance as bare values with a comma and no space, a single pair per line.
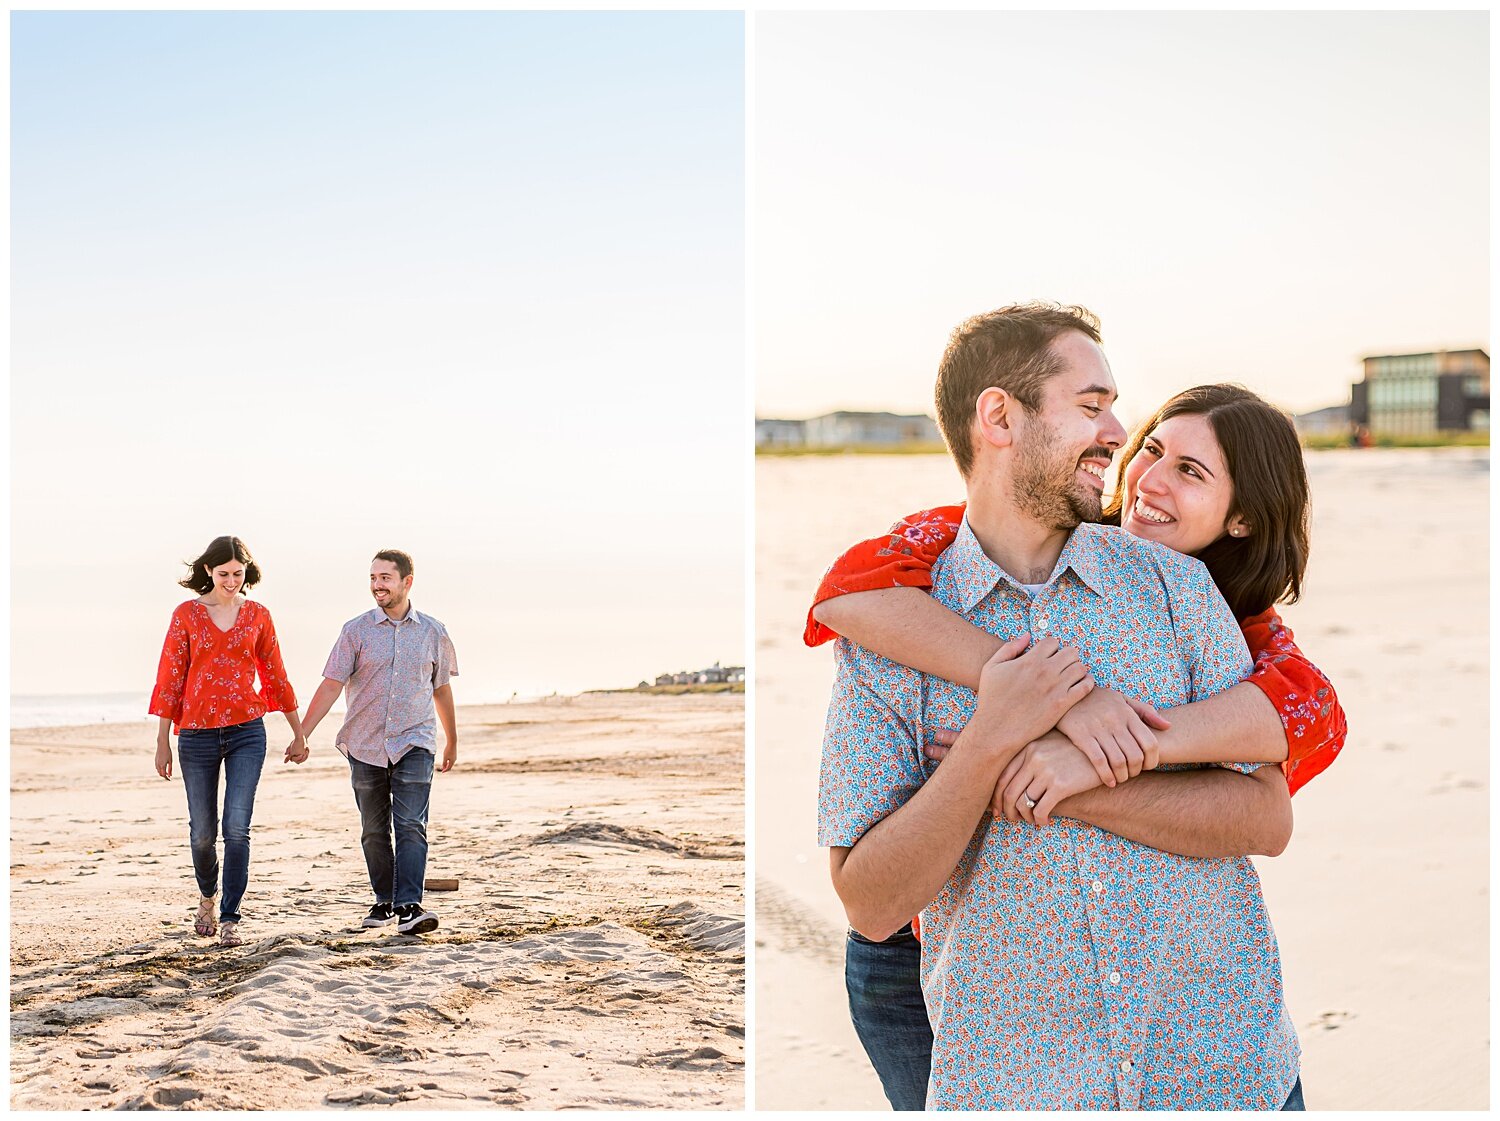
1218,474
216,647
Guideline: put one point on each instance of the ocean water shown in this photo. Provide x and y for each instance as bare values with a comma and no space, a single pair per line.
33,710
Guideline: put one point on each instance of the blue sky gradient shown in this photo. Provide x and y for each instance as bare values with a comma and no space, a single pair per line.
333,281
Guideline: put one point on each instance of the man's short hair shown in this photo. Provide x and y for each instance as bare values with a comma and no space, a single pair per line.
401,560
1009,348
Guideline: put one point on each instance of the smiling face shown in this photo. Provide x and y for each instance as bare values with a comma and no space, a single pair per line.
228,578
1177,488
1064,448
388,587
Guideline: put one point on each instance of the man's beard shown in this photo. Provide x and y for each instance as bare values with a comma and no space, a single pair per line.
1046,486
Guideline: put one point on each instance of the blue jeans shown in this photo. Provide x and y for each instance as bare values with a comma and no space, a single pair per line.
393,801
241,750
1294,1099
884,980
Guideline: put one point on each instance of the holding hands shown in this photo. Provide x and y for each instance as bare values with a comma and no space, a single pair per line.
1077,736
1115,733
296,751
1023,693
1048,770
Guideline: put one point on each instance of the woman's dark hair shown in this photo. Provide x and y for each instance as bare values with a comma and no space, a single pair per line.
220,549
1265,465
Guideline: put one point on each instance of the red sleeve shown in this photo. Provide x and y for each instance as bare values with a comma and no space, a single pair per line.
275,689
901,558
1304,698
171,671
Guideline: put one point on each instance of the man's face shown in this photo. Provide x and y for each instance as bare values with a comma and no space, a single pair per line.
1064,448
387,586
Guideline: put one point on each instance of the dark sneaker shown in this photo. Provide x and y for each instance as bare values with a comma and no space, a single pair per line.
382,914
414,919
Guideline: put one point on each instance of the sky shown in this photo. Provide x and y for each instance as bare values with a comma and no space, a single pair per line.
1255,197
466,284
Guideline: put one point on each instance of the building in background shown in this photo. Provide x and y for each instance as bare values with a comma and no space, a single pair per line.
1416,394
845,429
1332,421
779,433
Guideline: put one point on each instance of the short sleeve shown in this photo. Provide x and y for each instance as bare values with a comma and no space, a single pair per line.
445,665
341,659
871,754
900,558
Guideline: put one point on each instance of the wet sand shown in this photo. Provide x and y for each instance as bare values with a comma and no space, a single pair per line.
1380,903
591,958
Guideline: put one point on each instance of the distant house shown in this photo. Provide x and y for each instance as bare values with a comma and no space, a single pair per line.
1417,394
1333,420
779,433
847,429
843,429
713,675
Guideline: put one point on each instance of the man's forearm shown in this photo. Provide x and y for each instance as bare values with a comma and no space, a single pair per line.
442,700
1211,812
322,700
900,865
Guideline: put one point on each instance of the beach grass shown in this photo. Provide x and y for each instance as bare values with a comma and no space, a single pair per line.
1334,441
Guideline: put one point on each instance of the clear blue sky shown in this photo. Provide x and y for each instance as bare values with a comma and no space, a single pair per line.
1254,196
469,284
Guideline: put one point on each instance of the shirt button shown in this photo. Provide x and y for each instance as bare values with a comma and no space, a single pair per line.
1096,887
1114,978
1126,1067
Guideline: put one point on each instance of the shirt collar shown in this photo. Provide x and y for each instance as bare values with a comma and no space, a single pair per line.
378,616
975,575
1085,555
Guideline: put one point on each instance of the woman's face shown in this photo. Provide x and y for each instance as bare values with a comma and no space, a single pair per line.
1177,488
228,577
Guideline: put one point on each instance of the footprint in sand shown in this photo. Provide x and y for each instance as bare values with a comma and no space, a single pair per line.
1331,1021
172,1097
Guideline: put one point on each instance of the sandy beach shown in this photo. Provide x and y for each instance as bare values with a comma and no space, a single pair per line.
1380,904
591,958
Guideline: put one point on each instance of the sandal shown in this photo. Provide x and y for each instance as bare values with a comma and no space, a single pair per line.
204,922
228,935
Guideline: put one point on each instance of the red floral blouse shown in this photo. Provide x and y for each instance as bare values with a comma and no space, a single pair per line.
206,677
1304,698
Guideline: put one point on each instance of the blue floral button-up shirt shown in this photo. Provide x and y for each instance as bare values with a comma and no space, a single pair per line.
391,669
1066,967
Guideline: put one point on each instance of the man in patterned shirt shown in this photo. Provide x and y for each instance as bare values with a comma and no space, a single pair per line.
1082,965
396,663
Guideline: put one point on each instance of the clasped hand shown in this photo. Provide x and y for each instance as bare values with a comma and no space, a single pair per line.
1101,736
